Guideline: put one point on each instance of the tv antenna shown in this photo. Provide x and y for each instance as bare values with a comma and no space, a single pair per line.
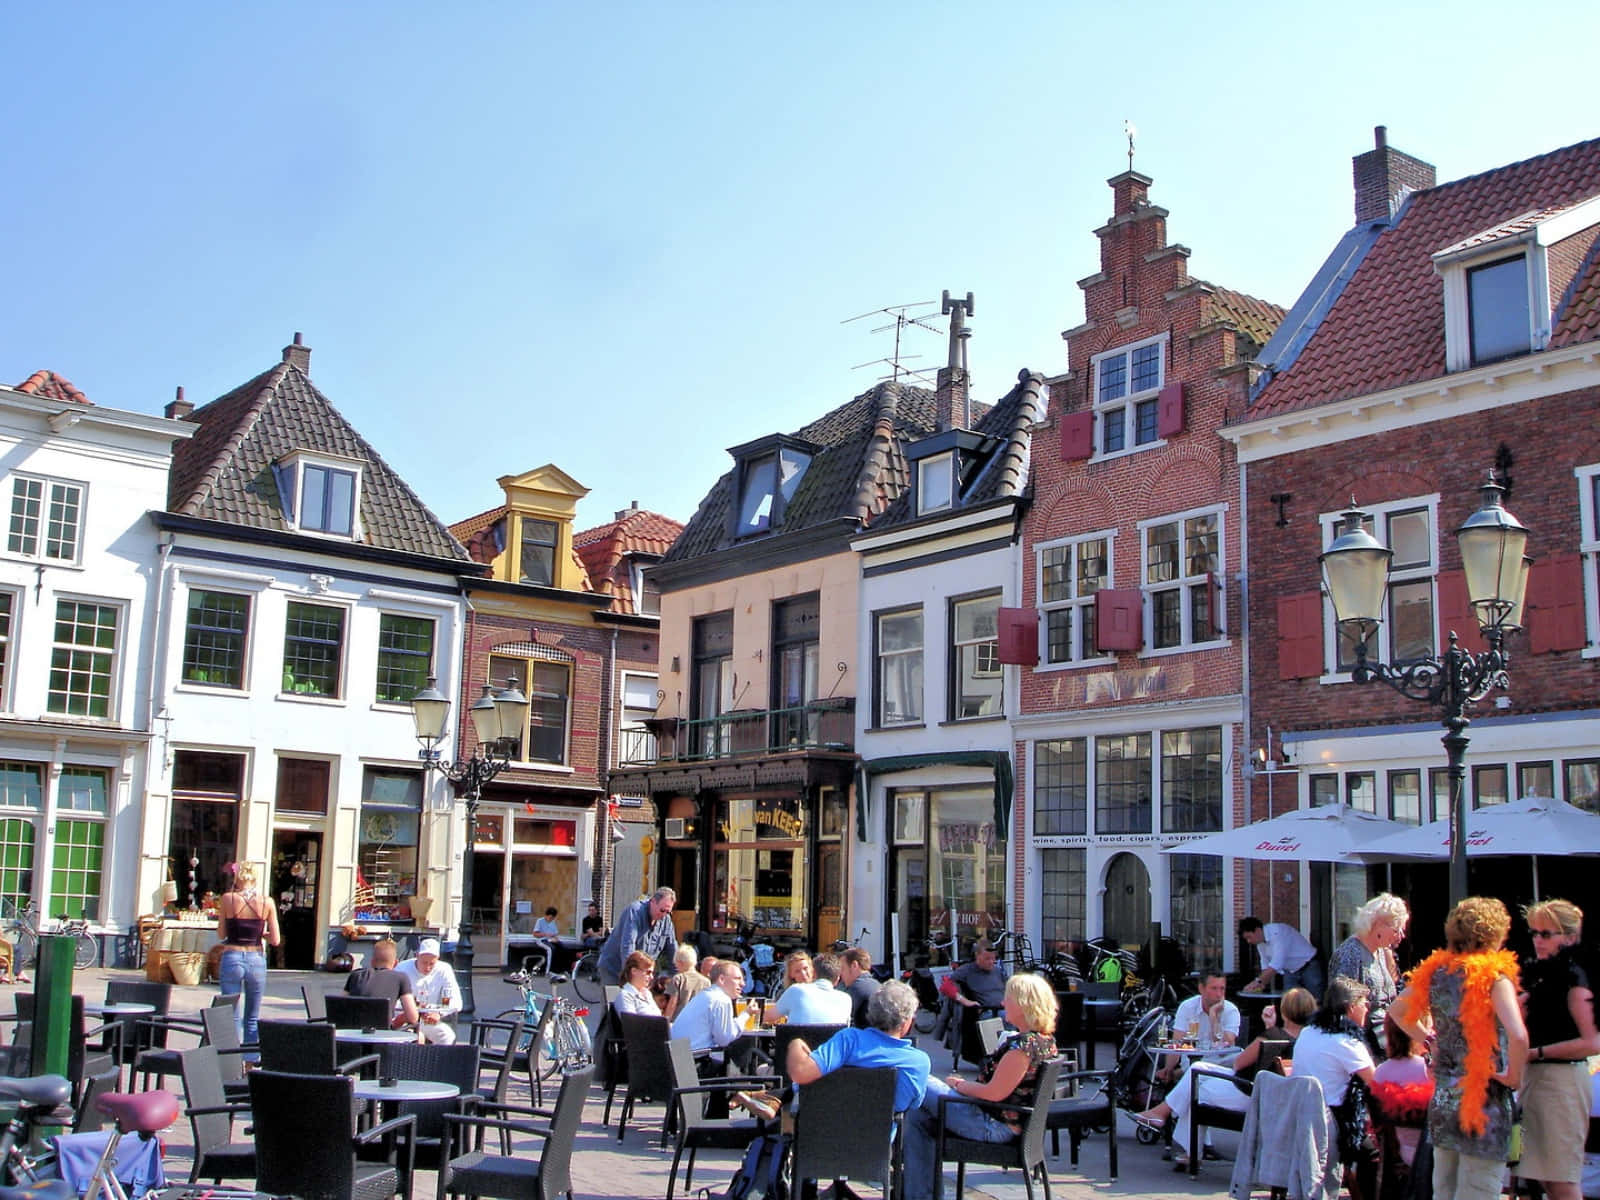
901,316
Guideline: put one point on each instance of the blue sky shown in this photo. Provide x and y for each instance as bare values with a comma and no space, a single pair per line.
624,237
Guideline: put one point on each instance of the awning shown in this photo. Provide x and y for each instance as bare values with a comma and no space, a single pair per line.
998,760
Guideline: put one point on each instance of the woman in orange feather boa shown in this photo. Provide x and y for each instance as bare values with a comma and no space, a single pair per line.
1464,998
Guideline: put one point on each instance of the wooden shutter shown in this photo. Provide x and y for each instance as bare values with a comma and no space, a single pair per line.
1456,613
1169,411
1077,436
1119,619
1300,636
1019,636
1554,611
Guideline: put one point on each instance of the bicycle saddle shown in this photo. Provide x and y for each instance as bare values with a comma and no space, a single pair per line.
45,1189
139,1112
42,1091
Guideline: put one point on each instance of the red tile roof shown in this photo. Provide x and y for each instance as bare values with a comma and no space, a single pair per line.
1387,327
1579,319
47,385
606,551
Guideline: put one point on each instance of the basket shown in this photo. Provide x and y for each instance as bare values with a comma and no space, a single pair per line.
186,966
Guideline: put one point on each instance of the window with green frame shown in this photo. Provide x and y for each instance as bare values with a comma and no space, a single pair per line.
405,657
77,866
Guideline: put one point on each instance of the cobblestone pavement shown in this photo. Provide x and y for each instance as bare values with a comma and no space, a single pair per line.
604,1169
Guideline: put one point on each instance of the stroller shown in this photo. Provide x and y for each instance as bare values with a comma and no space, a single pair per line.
1133,1082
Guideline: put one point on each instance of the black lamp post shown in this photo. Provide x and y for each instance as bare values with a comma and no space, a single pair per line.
1356,569
498,720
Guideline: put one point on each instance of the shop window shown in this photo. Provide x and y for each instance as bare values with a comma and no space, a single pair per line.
1191,780
1060,786
1439,789
758,861
966,864
77,865
538,882
83,659
1195,888
313,649
975,675
1361,791
1064,886
1405,797
21,801
386,850
206,792
899,690
214,638
405,657
1489,786
1071,574
46,519
908,865
303,786
1122,784
1582,783
1536,779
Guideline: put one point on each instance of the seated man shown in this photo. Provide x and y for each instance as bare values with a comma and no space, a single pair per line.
546,931
685,984
1211,1017
981,992
856,978
817,1002
593,931
882,1043
714,1032
381,979
434,987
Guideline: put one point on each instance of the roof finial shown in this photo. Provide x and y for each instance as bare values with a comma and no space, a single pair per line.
1132,131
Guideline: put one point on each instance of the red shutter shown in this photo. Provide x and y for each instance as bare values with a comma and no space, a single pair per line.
1456,613
1554,611
1119,619
1019,636
1169,411
1300,636
1077,436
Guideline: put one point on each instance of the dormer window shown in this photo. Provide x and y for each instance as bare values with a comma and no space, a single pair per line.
1497,309
770,471
936,484
538,550
321,493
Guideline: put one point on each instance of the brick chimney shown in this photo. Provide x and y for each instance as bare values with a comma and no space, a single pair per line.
179,408
1384,177
298,355
951,399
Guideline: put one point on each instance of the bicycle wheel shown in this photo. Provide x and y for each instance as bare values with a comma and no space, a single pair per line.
518,1014
87,953
586,983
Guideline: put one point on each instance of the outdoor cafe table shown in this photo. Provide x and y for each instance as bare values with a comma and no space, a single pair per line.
405,1089
125,1008
375,1037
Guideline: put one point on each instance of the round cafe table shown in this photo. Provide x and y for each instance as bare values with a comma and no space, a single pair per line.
377,1037
126,1008
405,1089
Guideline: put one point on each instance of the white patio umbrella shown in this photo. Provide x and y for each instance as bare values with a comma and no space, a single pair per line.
1333,833
1533,825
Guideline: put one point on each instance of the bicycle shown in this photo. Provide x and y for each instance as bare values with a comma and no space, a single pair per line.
585,978
920,978
21,928
1014,949
36,1098
567,1043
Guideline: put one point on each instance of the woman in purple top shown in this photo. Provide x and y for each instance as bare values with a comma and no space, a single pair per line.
247,923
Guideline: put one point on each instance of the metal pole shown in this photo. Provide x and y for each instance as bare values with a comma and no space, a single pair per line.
1455,745
464,952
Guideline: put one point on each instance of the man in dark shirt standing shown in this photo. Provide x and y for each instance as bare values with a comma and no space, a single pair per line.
383,981
645,925
856,979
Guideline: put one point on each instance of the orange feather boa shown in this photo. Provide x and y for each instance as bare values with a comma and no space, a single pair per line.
1479,1027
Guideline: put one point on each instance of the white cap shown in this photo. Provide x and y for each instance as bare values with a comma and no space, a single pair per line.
428,946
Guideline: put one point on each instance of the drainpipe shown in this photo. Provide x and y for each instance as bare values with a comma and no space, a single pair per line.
608,731
1244,689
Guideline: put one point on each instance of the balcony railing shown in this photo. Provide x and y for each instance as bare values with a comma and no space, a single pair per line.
820,725
636,746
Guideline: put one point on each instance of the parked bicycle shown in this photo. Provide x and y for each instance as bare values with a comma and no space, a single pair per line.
567,1043
923,977
585,978
36,1100
1014,949
20,927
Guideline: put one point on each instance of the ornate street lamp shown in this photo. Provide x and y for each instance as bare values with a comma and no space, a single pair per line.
1356,570
498,720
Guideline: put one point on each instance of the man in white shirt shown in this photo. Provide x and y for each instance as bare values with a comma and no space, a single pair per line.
433,985
1213,1018
1288,960
708,1021
817,1002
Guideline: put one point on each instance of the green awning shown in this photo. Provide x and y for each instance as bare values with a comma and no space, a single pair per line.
998,760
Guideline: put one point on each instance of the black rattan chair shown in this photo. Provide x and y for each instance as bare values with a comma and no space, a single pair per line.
1090,1104
457,1064
649,1067
1025,1151
844,1129
304,1146
316,1002
216,1155
516,1177
299,1048
358,1012
782,1035
695,1131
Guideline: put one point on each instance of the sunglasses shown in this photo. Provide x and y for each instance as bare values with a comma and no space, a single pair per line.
1545,933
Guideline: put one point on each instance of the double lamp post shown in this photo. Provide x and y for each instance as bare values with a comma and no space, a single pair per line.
499,720
1356,570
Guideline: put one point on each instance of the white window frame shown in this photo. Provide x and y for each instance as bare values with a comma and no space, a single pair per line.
627,725
47,504
297,462
936,465
879,716
8,645
1381,647
1128,402
1185,584
1082,655
112,701
1589,509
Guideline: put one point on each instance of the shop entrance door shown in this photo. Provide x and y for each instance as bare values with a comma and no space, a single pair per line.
296,877
830,895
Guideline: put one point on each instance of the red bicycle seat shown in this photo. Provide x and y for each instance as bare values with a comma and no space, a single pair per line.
140,1112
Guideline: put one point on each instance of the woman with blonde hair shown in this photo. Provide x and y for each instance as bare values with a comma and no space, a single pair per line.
1561,1033
1367,956
1465,998
247,923
1008,1076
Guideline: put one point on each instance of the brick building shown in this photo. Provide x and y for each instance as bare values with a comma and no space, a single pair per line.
1130,727
1454,329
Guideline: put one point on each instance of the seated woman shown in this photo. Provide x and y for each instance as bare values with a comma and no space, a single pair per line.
1333,1050
1401,1092
637,972
1009,1075
1295,1010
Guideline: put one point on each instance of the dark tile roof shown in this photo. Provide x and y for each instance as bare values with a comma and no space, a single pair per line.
607,551
47,385
1386,328
224,473
857,471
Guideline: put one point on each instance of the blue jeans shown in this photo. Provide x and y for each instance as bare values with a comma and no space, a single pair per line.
922,1134
245,971
1309,976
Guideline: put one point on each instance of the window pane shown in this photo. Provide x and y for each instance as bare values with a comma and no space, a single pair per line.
303,785
1147,367
792,466
1161,553
386,849
16,860
1166,614
1411,615
1093,564
1324,790
1055,574
22,785
1405,797
1062,894
935,485
313,504
1536,779
341,500
1146,422
27,501
1361,791
1191,780
1113,377
547,716
1488,786
1122,788
214,639
1439,789
1200,545
976,658
75,876
1196,890
313,646
538,551
1058,635
1111,430
1497,304
82,660
1411,539
405,657
755,506
900,668
83,789
61,533
1583,783
7,599
1061,787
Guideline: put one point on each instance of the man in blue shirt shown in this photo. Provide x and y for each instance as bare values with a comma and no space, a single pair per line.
644,925
881,1044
